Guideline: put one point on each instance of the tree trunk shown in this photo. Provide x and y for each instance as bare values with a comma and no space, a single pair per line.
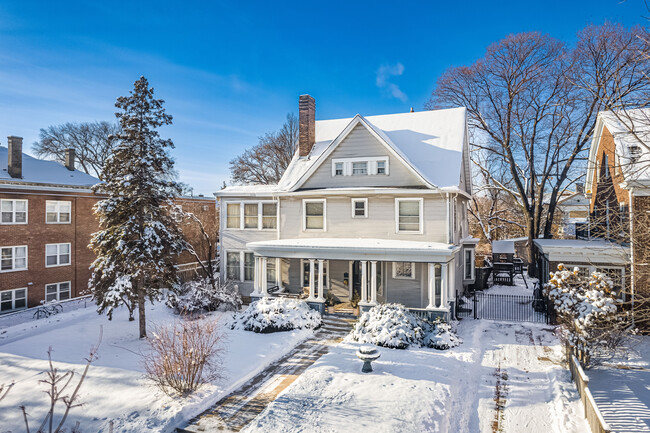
141,314
532,266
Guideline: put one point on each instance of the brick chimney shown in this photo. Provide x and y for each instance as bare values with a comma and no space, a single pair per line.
69,159
307,125
15,166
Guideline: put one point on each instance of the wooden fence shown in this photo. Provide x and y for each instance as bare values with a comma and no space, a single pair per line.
593,415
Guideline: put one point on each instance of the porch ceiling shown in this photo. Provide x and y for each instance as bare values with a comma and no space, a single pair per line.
355,249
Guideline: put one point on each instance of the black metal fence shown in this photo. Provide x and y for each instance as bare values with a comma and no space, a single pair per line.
511,308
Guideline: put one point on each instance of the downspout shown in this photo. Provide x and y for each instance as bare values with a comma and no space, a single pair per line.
447,219
630,215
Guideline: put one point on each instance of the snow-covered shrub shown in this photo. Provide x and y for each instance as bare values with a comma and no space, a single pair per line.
394,326
586,308
184,355
199,295
441,336
277,314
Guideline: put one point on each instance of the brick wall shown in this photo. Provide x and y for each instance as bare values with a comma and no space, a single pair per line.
37,233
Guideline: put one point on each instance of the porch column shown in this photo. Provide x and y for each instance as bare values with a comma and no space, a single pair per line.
278,272
264,278
256,279
443,285
432,286
311,280
364,282
320,280
373,282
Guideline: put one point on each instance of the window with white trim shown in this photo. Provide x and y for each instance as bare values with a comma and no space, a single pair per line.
468,272
13,211
305,273
381,167
269,216
360,168
404,270
233,269
249,266
233,218
57,291
250,216
359,208
375,165
13,258
271,271
408,215
57,255
314,212
57,212
338,169
14,299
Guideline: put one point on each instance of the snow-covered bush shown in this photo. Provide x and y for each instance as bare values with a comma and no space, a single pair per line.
394,326
184,355
199,295
586,309
277,314
441,336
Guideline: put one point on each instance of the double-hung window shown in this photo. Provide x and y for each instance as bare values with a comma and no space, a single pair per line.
269,215
233,271
468,272
13,258
381,167
233,219
338,169
14,299
360,168
57,255
404,270
408,215
359,208
57,212
314,212
249,266
13,211
57,291
250,216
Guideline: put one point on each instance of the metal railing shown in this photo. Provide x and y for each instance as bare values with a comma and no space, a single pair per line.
28,314
510,308
595,419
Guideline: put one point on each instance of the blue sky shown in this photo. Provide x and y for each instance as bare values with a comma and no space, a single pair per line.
231,71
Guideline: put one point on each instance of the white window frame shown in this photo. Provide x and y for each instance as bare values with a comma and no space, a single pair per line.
326,269
472,263
260,215
595,268
58,204
13,299
420,201
13,212
334,164
58,290
365,207
385,167
371,165
58,255
13,258
241,263
401,277
304,214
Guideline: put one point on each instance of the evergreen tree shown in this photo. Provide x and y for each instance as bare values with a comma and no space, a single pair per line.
138,241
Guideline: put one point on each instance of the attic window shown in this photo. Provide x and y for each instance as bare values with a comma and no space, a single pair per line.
359,168
369,166
338,169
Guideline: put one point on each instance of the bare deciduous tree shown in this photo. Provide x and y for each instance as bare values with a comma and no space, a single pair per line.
93,143
534,102
265,163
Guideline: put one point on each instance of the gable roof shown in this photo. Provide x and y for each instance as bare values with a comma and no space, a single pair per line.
631,129
40,171
429,143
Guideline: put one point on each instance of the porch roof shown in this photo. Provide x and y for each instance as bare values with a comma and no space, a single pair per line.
584,251
355,249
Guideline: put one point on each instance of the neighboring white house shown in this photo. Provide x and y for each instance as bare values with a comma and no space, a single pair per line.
370,206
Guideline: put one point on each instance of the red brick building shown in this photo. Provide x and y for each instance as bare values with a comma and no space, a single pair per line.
46,221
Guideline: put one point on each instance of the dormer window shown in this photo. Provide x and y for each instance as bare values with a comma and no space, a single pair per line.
359,168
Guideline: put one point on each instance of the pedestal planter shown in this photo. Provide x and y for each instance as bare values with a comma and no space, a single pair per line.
367,354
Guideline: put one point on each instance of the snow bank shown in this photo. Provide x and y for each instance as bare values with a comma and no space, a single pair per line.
277,314
392,325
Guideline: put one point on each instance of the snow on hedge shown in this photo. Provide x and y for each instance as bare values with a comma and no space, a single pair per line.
277,314
199,295
392,325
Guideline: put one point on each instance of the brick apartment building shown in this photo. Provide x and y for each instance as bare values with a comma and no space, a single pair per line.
46,221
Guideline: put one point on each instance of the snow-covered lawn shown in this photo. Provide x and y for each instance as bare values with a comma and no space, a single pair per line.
115,388
621,388
505,377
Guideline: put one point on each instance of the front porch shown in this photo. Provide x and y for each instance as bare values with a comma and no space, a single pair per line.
366,274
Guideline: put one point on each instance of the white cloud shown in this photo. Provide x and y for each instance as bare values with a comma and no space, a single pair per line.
384,73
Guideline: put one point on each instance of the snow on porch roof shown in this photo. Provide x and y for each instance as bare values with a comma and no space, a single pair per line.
583,251
353,249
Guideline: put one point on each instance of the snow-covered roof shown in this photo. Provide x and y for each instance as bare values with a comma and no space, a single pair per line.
353,249
503,247
40,171
431,143
631,131
587,251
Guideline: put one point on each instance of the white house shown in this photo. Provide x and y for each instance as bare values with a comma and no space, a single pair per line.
370,207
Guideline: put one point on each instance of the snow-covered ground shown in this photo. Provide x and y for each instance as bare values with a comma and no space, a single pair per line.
505,378
621,388
115,388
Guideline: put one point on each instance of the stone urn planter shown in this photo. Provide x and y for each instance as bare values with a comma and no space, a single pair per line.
367,354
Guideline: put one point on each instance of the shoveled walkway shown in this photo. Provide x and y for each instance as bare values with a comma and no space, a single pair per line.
235,411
